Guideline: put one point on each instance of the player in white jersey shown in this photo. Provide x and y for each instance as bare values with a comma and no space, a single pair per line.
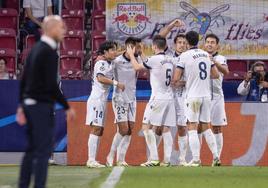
124,102
180,45
96,104
196,66
218,115
160,110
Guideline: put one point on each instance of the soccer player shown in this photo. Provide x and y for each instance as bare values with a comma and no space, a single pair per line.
196,66
218,115
160,110
96,104
124,102
179,92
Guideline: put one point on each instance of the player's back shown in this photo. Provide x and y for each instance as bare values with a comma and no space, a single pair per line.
197,65
161,69
99,90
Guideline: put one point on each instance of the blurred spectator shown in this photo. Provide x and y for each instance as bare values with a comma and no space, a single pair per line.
4,75
35,11
255,85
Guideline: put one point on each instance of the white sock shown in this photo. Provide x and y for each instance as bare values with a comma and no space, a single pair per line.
194,144
158,140
122,148
211,141
168,143
183,144
219,141
116,141
151,143
200,138
92,147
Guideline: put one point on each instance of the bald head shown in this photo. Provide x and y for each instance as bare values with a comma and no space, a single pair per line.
54,27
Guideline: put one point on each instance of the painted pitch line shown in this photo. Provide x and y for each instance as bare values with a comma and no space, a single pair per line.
113,178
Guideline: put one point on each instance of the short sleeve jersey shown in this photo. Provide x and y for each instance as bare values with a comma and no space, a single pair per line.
196,65
99,90
161,69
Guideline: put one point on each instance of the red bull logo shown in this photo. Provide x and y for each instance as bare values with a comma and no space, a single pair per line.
131,18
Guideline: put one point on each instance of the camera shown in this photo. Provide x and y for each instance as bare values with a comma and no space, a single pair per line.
258,77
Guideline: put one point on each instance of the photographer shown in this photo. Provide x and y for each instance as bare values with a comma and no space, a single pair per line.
255,85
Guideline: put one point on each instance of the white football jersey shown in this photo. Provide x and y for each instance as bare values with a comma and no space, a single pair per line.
99,90
197,65
161,69
178,92
216,84
125,73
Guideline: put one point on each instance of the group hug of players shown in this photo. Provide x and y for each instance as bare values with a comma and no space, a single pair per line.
186,93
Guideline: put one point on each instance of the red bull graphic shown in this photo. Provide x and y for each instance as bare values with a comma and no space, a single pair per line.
131,18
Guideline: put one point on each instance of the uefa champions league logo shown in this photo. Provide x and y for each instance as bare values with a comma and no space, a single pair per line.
131,18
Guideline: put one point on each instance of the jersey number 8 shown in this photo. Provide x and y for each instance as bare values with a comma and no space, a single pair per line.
203,70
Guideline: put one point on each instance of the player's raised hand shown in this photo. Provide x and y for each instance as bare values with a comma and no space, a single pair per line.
177,23
121,86
130,50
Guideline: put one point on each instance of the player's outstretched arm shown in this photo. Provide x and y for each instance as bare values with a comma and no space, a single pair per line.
104,80
175,23
133,60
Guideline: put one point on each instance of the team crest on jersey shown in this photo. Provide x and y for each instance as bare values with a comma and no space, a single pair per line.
102,68
131,18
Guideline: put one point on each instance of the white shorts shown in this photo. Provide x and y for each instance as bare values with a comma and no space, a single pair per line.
96,110
198,109
123,111
180,111
218,115
160,112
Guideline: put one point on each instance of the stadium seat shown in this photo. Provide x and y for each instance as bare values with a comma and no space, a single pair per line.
30,41
10,56
96,39
98,20
99,5
237,65
9,19
143,75
74,4
266,64
8,39
74,19
71,64
73,40
14,4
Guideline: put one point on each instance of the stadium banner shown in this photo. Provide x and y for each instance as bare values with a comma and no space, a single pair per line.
245,137
241,25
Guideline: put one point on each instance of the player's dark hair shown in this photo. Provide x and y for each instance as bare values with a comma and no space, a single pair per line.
192,38
178,36
132,41
105,46
160,42
212,35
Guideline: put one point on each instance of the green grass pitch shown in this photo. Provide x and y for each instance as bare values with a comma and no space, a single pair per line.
142,177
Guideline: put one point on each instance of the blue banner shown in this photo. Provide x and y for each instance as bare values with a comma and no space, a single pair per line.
12,136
